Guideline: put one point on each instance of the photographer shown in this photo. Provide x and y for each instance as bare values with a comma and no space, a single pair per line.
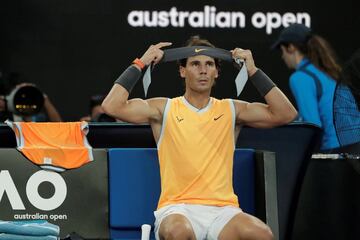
27,103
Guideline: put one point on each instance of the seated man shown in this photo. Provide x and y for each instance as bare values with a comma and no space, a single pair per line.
195,135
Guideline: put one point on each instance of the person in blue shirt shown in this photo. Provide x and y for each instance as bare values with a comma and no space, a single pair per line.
314,81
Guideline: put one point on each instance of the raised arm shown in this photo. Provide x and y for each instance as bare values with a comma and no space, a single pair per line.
278,110
136,110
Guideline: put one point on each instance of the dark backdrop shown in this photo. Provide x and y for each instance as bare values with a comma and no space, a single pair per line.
73,49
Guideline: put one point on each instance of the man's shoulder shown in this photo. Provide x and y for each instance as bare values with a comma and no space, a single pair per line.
226,103
157,100
158,103
222,101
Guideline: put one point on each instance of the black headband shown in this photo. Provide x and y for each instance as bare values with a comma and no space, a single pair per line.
186,52
175,54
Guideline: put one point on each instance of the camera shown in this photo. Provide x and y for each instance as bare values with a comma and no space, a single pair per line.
25,100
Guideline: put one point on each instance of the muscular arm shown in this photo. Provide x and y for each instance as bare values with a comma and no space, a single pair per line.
136,110
278,110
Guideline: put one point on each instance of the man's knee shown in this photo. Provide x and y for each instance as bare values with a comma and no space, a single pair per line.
176,229
265,233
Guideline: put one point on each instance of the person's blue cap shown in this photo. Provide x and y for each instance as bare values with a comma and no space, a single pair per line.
295,33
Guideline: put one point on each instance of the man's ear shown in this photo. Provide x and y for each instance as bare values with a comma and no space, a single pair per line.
182,71
217,73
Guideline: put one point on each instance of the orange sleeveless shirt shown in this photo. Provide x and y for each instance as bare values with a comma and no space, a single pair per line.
196,150
54,146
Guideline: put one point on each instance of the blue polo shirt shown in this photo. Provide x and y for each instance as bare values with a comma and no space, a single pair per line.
313,108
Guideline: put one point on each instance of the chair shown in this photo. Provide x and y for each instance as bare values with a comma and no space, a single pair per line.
134,188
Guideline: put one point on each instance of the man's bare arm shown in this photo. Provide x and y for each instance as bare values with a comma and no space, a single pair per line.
136,110
277,111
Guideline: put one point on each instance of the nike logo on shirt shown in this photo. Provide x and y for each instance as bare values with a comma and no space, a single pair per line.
179,119
217,118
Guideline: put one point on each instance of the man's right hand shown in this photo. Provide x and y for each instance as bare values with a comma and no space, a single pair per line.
246,55
154,53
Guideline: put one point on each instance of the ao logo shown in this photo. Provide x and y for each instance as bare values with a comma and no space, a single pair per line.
46,204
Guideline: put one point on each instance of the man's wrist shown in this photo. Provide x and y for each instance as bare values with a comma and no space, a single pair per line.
138,63
252,71
129,77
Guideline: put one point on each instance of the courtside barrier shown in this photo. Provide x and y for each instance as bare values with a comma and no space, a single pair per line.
76,200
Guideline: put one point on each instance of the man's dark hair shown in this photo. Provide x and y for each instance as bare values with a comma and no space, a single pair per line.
197,41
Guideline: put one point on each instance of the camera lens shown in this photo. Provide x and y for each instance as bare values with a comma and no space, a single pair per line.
25,101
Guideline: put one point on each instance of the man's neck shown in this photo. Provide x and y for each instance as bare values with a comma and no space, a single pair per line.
198,100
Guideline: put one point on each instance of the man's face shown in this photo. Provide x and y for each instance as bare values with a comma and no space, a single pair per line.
200,73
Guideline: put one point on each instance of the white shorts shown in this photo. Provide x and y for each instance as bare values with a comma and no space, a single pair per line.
206,221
